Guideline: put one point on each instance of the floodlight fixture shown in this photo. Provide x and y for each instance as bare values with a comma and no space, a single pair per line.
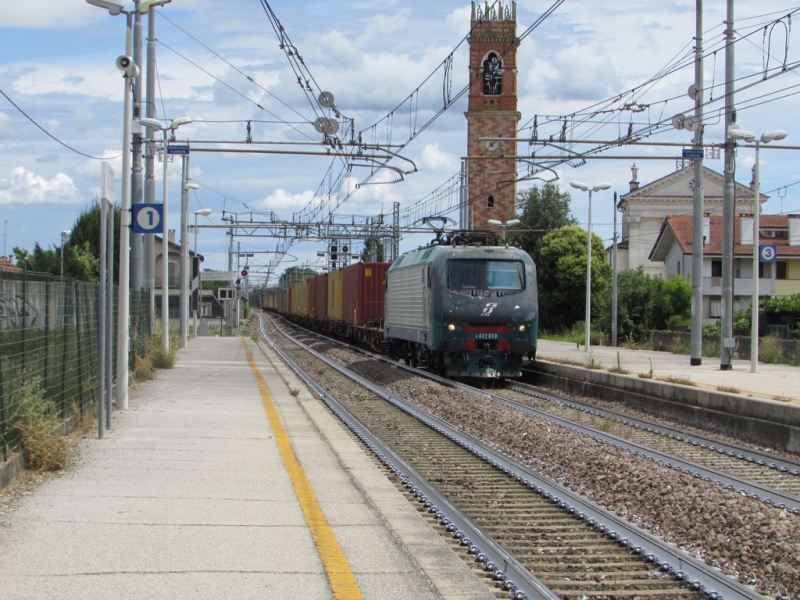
113,8
191,186
773,136
146,5
741,134
180,121
151,123
203,212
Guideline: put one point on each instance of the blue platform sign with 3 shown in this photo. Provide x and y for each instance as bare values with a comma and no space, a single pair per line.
768,252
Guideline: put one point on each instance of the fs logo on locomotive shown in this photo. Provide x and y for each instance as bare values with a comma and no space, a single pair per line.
488,309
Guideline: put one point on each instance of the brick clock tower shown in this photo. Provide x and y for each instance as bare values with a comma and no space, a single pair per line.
491,166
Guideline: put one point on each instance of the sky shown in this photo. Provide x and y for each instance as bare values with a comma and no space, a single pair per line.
600,67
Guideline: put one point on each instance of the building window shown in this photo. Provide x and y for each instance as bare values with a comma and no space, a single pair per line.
490,202
780,269
679,268
716,308
716,268
492,75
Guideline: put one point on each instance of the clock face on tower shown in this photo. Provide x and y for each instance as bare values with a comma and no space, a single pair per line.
491,145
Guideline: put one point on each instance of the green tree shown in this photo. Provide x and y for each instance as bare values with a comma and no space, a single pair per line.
562,277
294,275
373,247
645,303
81,251
542,210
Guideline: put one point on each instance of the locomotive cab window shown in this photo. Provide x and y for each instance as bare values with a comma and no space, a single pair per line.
485,275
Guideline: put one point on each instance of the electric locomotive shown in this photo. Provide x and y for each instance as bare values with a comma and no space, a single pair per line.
463,307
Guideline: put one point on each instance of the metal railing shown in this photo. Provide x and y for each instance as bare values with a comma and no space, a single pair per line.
49,337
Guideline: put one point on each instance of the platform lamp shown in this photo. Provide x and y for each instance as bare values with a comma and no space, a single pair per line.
750,138
503,225
156,125
585,187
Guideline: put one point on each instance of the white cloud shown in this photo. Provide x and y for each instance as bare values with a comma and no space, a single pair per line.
42,14
581,73
24,187
280,199
433,157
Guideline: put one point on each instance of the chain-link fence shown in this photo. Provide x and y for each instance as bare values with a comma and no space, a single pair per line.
49,337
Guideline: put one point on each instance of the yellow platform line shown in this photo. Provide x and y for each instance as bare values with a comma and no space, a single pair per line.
341,578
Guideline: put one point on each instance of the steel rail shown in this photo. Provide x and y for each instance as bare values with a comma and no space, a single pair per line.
694,572
752,489
505,569
744,453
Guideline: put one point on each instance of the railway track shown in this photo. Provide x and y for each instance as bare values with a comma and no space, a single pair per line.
770,471
574,547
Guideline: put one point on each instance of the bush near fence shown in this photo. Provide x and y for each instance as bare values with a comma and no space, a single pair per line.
49,333
772,349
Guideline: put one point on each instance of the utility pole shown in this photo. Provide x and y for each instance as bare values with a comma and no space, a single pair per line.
698,200
149,245
137,271
726,333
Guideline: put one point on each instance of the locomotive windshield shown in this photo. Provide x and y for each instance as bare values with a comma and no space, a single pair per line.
485,275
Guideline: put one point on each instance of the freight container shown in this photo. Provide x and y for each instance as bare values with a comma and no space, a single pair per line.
363,286
320,297
312,295
335,292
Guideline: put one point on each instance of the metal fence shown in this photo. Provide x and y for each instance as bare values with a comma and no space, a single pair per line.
49,337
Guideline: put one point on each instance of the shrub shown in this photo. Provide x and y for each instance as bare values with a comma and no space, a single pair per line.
37,421
770,350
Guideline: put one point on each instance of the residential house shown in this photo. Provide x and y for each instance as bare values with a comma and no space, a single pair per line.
644,209
673,252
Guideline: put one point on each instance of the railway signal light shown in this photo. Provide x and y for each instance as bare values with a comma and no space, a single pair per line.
244,272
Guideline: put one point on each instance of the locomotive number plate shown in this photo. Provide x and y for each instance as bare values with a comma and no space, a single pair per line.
486,336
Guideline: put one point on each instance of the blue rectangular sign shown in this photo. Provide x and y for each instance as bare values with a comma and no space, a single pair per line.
692,153
148,218
178,149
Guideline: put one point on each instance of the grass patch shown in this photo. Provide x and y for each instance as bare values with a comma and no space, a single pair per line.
37,420
728,390
255,337
154,357
770,350
679,379
782,398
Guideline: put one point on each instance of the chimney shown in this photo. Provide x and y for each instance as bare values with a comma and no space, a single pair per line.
794,230
171,236
634,183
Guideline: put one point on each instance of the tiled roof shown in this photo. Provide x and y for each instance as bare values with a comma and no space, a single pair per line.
680,227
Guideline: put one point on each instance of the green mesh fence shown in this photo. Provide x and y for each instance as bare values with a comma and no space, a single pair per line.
49,335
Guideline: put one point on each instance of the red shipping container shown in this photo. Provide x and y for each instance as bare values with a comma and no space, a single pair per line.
312,294
320,297
363,292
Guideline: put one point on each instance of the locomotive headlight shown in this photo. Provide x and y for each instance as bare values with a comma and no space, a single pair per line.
451,327
522,327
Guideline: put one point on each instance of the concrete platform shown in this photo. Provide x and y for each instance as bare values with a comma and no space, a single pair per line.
188,497
780,382
761,407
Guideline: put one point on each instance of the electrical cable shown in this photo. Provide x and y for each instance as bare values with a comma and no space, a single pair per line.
50,135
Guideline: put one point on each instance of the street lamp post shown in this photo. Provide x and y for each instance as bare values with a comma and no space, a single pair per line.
503,225
203,212
64,238
156,126
185,253
588,313
750,137
129,71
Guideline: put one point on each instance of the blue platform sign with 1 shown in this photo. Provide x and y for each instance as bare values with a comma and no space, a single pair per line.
148,218
768,253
